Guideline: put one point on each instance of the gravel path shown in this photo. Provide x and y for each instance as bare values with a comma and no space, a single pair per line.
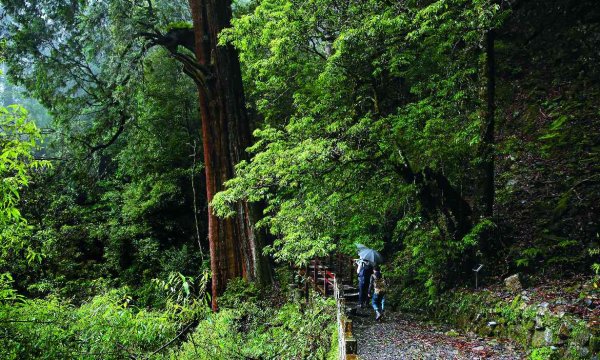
401,337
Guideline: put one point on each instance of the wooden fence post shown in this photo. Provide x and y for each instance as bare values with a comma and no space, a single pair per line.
333,282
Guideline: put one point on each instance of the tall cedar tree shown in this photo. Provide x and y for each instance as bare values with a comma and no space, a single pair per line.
235,244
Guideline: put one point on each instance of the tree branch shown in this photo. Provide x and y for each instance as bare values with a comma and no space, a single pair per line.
114,137
201,74
183,332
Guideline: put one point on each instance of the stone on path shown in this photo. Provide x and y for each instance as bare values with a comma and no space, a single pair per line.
513,283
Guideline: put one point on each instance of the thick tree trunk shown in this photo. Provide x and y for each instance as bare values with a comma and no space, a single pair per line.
436,193
235,245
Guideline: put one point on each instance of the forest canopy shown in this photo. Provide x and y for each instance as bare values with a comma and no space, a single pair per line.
171,165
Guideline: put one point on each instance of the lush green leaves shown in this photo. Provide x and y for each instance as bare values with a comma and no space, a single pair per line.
105,326
19,137
357,99
253,327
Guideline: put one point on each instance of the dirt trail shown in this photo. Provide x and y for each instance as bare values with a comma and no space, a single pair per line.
400,336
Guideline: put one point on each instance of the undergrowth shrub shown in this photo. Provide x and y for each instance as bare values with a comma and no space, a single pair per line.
106,327
251,325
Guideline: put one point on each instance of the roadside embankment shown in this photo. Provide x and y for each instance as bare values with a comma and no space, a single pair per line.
558,320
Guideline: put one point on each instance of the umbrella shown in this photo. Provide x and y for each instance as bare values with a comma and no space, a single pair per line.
360,246
371,255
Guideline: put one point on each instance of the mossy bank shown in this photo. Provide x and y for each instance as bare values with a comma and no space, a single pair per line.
548,326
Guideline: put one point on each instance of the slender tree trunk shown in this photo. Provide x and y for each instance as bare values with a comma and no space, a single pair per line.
488,192
235,245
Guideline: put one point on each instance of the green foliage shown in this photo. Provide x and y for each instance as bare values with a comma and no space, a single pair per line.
19,138
113,327
369,116
478,233
356,100
257,329
178,25
185,297
92,63
529,255
238,293
106,326
595,252
129,215
545,353
295,333
10,95
334,350
214,338
547,186
7,293
119,202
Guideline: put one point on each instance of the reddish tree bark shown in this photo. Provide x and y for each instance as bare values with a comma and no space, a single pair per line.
235,245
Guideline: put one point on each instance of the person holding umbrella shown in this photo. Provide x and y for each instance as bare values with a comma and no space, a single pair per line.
364,270
367,259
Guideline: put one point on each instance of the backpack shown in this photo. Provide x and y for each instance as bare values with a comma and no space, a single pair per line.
379,286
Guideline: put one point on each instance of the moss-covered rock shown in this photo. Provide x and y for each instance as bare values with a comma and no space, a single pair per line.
520,334
538,339
547,333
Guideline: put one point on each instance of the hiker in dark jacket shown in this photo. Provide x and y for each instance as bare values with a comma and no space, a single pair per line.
365,270
377,292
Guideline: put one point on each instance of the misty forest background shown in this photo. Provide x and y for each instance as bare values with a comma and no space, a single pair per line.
443,133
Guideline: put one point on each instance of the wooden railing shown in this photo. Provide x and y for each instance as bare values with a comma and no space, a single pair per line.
333,276
347,345
322,271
